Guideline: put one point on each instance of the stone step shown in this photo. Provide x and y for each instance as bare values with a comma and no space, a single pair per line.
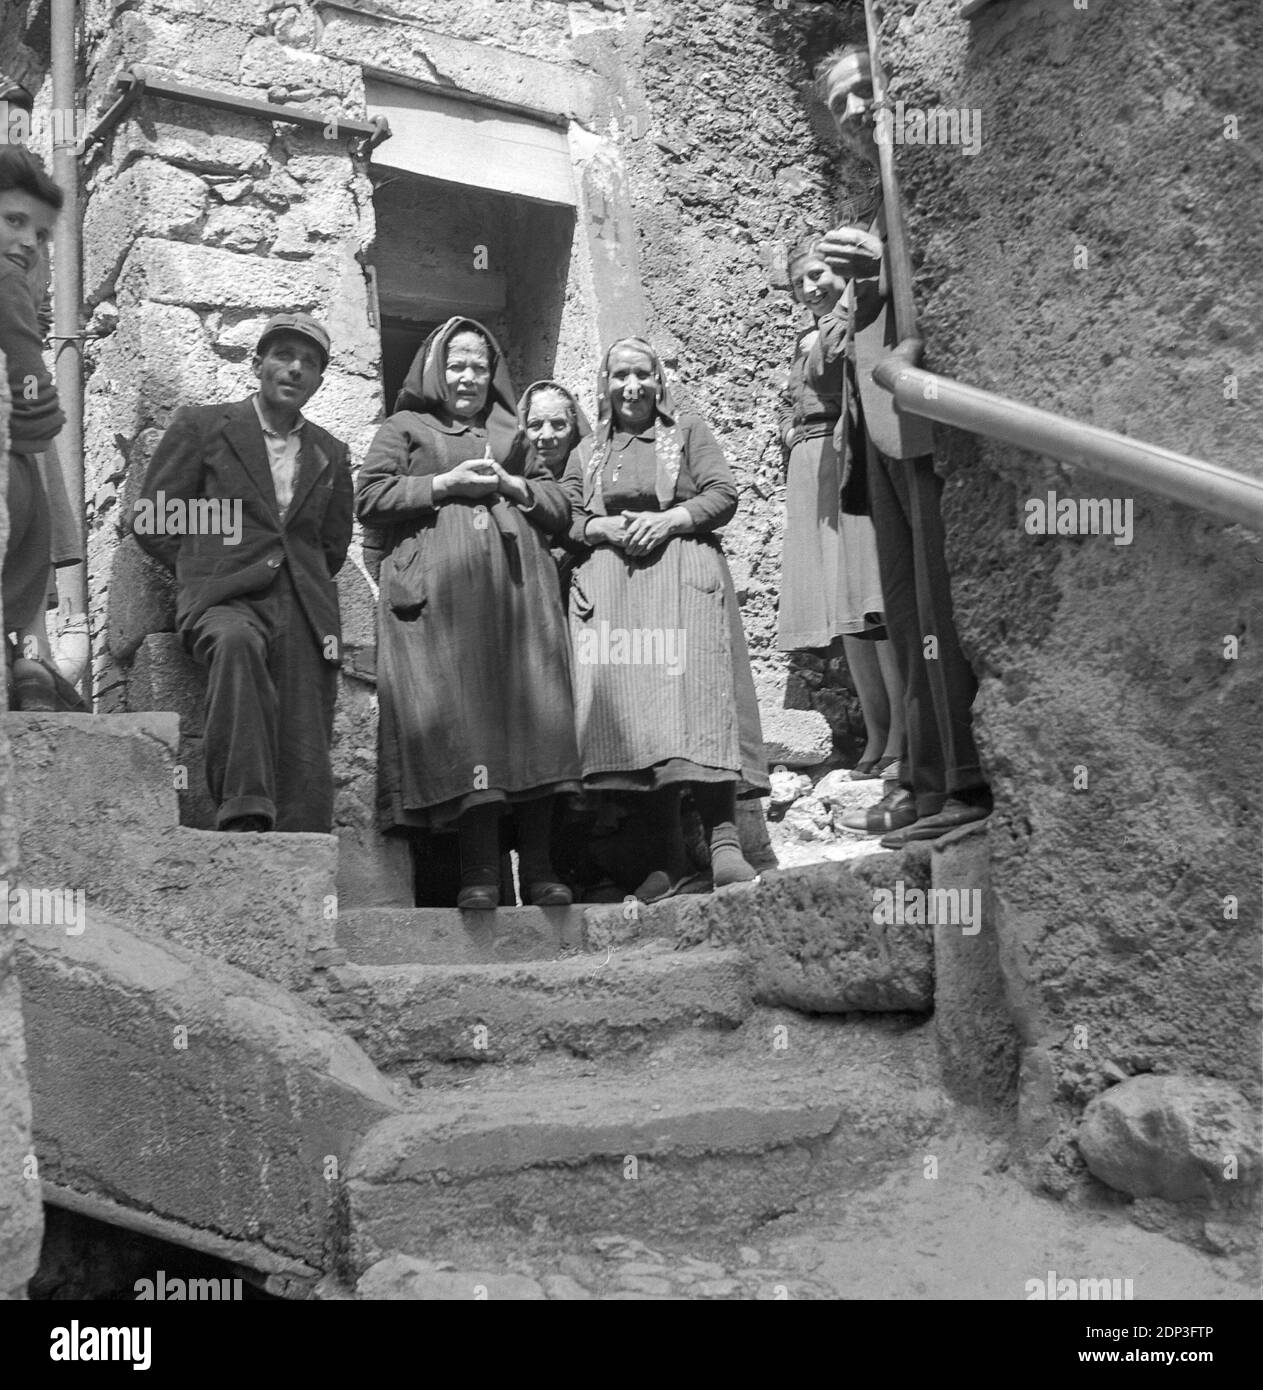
263,903
95,800
411,1018
819,936
444,936
91,768
177,1089
711,1147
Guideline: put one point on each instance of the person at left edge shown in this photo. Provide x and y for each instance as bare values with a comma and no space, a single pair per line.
256,602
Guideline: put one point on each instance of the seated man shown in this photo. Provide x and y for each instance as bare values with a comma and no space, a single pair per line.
250,505
940,784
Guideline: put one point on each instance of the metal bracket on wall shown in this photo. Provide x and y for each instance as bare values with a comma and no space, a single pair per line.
132,86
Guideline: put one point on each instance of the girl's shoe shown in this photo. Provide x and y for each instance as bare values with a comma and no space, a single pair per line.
865,771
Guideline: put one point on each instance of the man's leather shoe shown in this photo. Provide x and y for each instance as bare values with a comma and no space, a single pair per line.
895,810
480,897
549,894
953,814
249,825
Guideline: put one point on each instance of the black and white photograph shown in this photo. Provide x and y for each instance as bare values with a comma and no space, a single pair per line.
632,645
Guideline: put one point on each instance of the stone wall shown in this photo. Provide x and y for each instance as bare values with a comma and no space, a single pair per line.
1120,727
21,1212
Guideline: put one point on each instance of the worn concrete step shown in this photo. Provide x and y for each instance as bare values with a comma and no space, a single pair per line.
95,801
120,768
718,1146
821,936
263,903
185,1092
444,936
409,1018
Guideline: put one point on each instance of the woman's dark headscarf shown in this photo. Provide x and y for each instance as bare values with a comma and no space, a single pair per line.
581,426
425,387
667,443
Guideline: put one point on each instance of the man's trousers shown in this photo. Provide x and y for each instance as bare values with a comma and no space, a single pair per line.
269,710
939,685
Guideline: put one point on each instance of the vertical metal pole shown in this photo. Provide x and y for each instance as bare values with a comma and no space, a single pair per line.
899,259
67,281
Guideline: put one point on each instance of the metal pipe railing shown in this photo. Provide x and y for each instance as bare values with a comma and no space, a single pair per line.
1220,491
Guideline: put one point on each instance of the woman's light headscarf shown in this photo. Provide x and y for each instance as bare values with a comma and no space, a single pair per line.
667,443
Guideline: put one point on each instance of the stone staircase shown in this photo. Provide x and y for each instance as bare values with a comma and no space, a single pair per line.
356,1082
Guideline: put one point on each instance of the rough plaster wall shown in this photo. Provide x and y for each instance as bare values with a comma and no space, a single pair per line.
21,1212
1104,129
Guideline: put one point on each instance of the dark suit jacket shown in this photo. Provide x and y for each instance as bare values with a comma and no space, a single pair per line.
899,436
217,452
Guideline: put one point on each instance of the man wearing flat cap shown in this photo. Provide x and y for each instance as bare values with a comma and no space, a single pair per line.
250,505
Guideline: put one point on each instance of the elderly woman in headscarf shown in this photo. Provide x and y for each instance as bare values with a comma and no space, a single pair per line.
473,658
552,422
664,696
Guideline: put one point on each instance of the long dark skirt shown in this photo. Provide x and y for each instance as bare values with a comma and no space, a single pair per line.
474,681
662,681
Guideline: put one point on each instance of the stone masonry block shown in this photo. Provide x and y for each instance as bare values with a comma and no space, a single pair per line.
811,933
149,198
174,1083
169,272
978,1042
141,602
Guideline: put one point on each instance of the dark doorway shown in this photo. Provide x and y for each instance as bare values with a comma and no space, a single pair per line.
444,249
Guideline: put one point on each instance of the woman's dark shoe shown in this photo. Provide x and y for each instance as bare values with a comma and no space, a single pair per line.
895,810
248,825
479,897
549,895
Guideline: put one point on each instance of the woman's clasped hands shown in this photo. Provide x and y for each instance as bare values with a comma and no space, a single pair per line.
638,533
480,477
